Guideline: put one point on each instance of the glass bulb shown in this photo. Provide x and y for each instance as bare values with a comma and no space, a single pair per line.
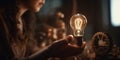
78,23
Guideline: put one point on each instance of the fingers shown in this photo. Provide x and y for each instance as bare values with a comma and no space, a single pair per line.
83,44
76,46
69,38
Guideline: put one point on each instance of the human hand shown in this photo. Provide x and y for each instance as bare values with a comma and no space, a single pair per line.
63,48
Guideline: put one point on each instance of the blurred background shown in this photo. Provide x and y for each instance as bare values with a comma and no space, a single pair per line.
100,15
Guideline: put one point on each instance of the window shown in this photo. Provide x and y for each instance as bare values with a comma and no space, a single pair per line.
115,12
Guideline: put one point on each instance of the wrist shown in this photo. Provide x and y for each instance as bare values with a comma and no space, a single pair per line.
40,55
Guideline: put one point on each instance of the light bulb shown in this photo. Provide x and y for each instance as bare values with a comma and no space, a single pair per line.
78,23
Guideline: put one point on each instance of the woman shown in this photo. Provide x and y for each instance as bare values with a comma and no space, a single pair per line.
16,38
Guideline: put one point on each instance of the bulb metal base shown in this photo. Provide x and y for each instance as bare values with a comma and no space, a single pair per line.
79,40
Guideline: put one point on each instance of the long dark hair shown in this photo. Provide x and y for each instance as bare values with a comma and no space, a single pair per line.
25,41
11,8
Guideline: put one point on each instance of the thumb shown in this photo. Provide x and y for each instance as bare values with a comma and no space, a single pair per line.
69,38
83,44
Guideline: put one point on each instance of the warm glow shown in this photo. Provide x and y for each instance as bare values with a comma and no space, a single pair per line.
78,23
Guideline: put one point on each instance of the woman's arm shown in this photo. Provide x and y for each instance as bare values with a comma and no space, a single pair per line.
60,48
43,54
